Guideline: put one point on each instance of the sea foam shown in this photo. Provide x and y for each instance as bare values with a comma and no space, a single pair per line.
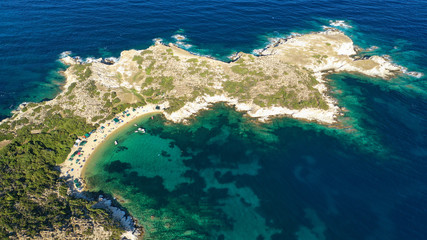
65,54
339,23
179,37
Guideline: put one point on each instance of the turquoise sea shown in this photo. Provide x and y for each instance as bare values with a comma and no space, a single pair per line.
225,176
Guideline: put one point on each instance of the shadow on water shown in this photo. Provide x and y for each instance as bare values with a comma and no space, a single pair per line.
224,176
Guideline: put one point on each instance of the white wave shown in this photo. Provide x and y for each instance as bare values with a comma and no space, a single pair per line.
255,52
183,45
65,54
92,60
272,42
371,48
339,23
179,37
78,59
157,40
294,34
112,59
275,41
325,27
415,74
411,73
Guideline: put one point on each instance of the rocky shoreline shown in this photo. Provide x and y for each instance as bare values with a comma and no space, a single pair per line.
342,61
286,78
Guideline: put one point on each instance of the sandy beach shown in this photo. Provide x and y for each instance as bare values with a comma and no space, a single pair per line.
72,168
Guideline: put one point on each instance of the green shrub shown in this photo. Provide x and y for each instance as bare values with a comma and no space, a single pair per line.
138,59
96,118
175,104
116,100
27,171
106,96
150,67
167,83
70,88
6,136
148,92
149,80
192,60
146,52
239,69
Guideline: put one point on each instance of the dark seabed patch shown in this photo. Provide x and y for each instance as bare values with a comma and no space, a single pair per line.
232,178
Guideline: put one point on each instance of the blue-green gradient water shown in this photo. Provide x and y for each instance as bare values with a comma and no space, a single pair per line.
225,176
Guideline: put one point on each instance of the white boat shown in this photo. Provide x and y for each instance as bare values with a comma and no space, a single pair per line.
141,130
115,142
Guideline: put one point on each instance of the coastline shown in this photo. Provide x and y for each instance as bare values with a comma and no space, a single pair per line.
75,179
112,134
74,169
108,130
341,59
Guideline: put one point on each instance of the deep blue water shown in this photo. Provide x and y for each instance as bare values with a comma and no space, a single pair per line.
307,181
34,33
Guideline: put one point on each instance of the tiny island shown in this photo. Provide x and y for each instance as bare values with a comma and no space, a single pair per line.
286,78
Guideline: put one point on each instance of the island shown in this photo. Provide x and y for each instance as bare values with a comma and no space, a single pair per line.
285,79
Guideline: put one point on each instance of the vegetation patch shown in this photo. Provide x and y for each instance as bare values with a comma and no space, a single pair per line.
71,88
148,92
239,69
32,197
150,67
138,59
166,83
83,71
92,89
148,81
145,52
175,104
192,60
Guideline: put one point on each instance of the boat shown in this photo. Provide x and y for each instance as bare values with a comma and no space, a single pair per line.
135,125
141,130
115,142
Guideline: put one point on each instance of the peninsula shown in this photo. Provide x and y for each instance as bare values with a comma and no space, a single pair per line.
286,78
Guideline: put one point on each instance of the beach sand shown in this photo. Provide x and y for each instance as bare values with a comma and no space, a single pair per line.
73,169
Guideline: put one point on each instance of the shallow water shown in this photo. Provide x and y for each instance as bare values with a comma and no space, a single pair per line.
237,179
